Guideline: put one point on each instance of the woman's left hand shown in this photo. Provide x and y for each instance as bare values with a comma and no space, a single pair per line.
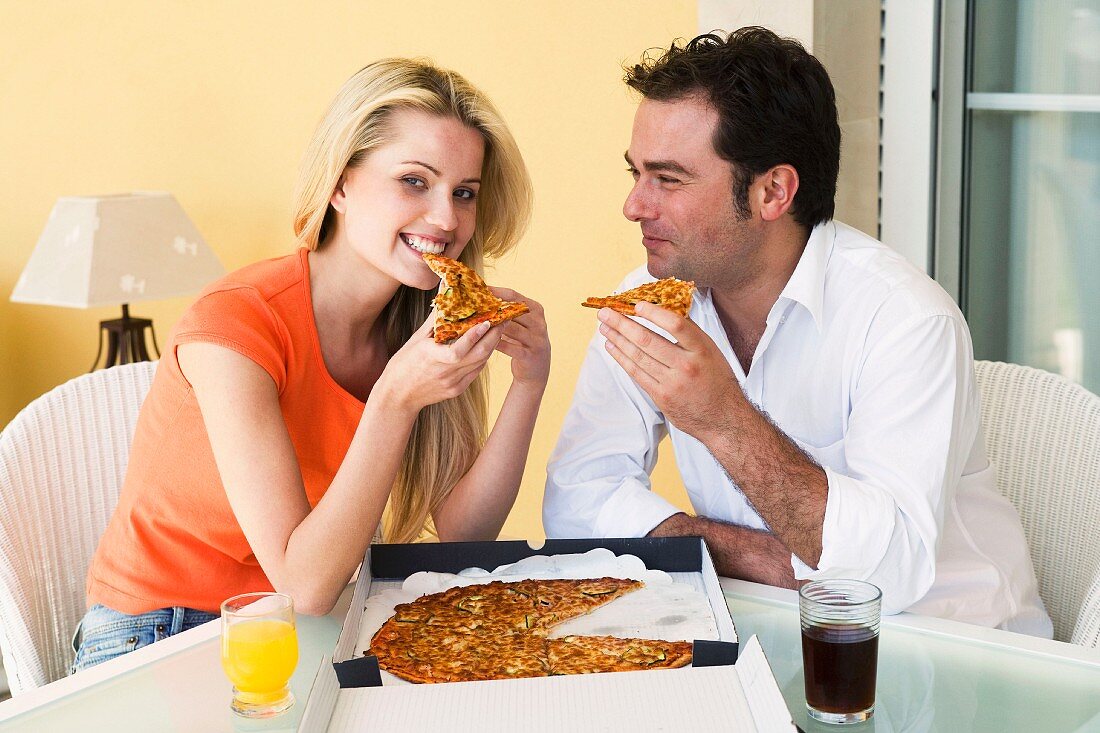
525,340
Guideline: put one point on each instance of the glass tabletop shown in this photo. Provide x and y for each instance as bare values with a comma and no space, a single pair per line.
933,681
945,678
184,691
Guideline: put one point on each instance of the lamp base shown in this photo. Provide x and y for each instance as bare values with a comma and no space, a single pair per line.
125,340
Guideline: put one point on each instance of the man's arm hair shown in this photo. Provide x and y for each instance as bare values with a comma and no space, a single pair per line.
738,551
782,484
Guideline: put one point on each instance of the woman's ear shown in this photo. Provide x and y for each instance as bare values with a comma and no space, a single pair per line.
778,187
339,197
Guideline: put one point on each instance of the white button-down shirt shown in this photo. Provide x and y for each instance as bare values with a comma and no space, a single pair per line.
867,364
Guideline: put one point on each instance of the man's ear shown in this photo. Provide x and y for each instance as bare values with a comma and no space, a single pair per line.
778,186
339,197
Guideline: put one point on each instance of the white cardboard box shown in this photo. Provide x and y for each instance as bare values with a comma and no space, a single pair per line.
714,694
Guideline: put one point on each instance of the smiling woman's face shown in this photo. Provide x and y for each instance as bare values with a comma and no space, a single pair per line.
417,193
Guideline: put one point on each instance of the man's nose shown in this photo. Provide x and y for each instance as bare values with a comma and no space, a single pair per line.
637,206
442,213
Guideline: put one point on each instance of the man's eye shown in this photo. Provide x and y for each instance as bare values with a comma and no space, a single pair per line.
666,179
414,181
466,194
633,172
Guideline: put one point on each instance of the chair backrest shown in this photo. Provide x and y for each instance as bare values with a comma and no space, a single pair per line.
1043,434
62,461
1087,630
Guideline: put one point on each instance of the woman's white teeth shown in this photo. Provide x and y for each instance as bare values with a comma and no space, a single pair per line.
420,244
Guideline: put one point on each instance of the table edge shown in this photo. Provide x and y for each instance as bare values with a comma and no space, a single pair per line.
1059,650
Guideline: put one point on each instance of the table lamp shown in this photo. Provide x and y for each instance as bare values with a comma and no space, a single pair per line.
112,250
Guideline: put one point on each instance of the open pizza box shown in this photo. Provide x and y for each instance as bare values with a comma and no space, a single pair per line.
719,691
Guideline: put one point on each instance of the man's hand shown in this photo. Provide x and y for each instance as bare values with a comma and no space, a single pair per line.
685,379
693,385
738,552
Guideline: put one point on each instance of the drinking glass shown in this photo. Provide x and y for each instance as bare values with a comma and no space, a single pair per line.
840,622
259,652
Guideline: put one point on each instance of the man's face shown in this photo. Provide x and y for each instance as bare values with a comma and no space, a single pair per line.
683,197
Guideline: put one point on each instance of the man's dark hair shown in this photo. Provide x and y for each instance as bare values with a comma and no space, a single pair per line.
775,105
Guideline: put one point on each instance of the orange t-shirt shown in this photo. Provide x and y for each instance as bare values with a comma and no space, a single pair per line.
173,540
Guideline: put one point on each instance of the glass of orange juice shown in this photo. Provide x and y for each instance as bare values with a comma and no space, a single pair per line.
259,652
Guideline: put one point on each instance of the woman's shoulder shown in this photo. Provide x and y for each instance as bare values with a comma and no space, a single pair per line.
257,301
267,278
254,311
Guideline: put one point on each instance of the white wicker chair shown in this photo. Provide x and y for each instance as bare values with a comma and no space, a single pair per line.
62,460
1087,630
1043,434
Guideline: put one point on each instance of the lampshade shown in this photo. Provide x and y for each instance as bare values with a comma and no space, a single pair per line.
108,250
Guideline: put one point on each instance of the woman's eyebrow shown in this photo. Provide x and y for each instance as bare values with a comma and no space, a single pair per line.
435,170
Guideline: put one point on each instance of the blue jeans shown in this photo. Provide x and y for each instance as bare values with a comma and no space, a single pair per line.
105,633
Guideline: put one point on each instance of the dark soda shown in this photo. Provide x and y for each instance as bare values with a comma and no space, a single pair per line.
840,664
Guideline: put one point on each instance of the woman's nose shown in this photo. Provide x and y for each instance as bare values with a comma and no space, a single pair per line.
442,213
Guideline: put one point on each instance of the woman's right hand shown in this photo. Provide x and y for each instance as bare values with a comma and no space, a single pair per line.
423,372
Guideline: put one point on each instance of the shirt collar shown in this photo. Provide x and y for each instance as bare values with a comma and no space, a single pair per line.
807,283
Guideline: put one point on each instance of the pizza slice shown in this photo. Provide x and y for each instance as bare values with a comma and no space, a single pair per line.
498,606
670,293
558,601
464,300
427,654
588,654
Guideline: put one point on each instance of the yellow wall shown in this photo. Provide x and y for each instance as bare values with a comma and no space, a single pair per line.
215,101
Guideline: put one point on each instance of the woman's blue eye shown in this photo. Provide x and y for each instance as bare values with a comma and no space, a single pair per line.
413,181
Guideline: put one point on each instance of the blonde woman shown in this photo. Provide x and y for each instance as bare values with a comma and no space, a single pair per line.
301,396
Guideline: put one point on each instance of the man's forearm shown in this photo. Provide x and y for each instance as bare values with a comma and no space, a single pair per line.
784,485
738,552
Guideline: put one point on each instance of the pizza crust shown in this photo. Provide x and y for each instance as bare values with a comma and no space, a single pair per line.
670,293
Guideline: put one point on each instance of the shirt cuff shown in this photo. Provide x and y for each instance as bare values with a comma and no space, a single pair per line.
632,511
859,521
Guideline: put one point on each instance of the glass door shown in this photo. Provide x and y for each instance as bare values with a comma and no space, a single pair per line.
1028,274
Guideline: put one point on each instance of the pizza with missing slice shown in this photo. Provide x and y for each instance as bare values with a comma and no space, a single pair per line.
670,293
500,630
464,300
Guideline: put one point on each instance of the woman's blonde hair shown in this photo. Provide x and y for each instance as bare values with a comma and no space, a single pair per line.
447,436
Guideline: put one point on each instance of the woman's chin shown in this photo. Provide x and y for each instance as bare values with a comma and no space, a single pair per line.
421,282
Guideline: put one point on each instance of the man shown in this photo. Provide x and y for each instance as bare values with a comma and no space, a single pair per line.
820,397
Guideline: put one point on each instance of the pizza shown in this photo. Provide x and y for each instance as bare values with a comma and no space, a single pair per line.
500,630
559,600
464,300
587,654
670,293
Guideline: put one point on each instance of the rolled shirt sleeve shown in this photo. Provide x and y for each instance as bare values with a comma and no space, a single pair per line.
867,365
597,482
910,431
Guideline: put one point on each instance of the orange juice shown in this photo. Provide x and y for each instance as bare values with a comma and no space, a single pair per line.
259,656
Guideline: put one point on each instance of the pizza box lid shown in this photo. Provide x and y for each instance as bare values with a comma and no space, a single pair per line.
721,691
396,562
743,697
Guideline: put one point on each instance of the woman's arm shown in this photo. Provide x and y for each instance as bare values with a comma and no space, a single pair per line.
311,554
308,554
479,503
